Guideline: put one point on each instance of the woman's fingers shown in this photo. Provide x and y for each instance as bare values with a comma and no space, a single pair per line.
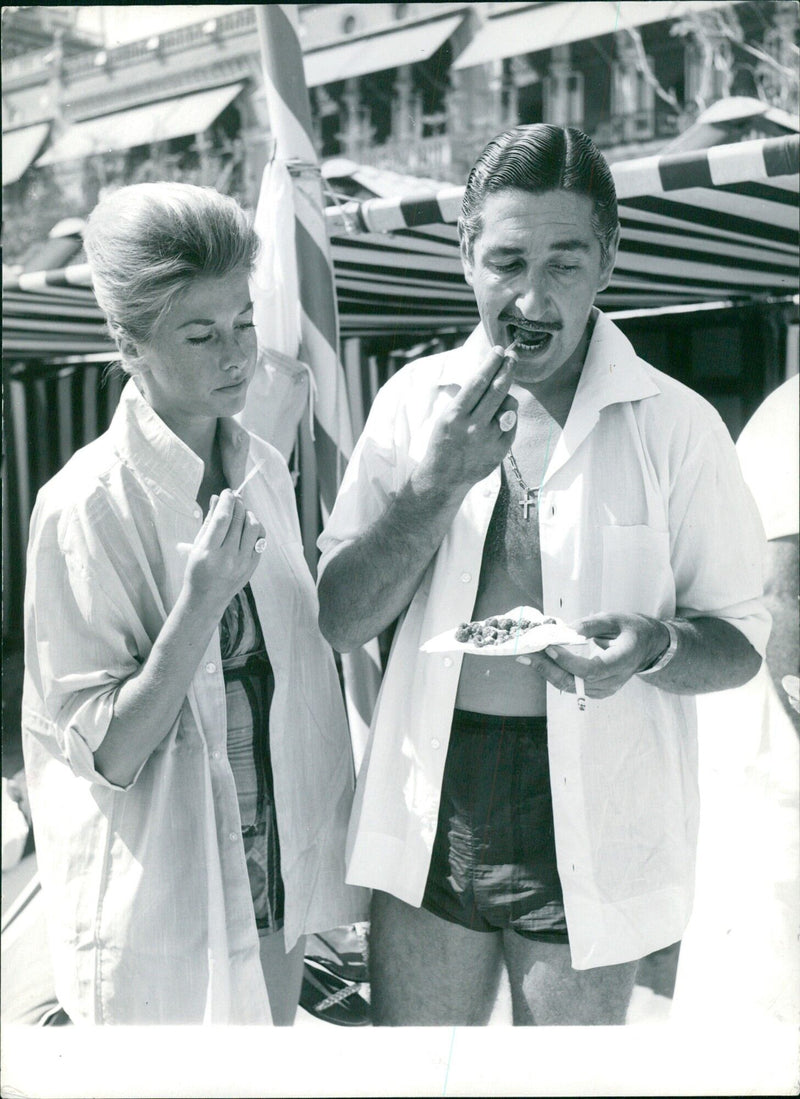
227,520
218,519
253,539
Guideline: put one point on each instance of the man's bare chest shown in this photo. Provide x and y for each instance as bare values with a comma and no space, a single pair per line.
512,541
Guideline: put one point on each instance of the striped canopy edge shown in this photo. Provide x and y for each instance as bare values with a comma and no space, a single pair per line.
746,161
647,176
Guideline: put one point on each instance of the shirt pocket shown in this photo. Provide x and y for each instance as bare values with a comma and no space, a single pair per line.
637,574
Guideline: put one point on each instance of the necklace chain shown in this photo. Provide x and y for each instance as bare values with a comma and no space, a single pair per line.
515,469
530,497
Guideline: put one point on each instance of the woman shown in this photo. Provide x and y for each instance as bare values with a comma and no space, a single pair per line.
185,742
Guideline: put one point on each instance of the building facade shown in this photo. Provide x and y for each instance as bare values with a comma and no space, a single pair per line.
414,88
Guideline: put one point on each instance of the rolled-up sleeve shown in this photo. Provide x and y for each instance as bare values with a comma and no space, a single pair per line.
79,642
717,540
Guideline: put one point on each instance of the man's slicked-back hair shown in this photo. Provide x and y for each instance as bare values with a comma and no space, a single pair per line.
537,159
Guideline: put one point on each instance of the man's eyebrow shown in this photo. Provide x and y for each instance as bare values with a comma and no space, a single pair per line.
574,244
207,321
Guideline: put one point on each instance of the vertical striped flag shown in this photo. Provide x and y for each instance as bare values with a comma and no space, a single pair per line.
290,121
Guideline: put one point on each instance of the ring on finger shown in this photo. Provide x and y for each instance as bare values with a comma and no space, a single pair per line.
507,419
261,545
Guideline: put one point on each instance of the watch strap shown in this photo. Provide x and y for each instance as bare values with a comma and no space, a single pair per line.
667,654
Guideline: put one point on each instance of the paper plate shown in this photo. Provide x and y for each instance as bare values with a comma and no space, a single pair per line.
527,641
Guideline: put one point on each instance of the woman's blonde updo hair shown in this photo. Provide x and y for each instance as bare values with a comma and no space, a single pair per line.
148,242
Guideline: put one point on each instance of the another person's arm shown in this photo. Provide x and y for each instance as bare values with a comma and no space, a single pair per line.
781,598
369,580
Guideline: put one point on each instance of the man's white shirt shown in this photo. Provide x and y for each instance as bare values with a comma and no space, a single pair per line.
642,509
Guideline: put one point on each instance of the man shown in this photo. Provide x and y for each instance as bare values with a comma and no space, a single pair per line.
740,962
497,822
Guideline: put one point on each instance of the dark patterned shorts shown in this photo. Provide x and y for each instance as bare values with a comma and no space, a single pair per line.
494,858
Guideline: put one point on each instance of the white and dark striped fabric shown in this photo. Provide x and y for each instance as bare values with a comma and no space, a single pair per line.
290,119
716,225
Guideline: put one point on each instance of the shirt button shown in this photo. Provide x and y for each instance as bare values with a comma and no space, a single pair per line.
487,492
553,510
211,667
197,513
215,755
232,836
448,662
466,577
435,743
560,602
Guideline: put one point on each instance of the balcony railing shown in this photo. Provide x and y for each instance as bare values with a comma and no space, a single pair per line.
27,64
423,156
241,21
448,157
637,126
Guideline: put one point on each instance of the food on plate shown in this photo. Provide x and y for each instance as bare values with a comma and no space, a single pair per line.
494,631
510,633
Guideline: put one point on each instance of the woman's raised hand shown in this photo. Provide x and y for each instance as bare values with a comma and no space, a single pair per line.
225,552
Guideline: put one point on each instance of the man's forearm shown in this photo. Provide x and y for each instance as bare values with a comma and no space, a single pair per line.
712,655
371,580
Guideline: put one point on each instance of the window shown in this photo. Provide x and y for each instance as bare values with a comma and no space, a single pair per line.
562,99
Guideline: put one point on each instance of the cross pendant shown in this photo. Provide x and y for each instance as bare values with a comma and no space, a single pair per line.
528,501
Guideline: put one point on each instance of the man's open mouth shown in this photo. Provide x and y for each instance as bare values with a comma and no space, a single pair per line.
529,339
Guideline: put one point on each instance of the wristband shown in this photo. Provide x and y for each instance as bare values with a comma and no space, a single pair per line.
662,661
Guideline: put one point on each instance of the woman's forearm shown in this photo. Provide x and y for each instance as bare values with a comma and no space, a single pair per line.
149,702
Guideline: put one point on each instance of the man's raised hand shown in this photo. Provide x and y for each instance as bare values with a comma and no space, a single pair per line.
468,441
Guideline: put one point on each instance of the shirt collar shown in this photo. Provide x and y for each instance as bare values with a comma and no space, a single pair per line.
612,372
144,442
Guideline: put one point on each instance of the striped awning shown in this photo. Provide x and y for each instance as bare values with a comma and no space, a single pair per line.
153,122
46,317
402,45
528,28
20,148
716,225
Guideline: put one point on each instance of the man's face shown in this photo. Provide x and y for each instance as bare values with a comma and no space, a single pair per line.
535,270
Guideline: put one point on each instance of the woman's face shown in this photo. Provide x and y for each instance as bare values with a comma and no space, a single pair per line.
200,360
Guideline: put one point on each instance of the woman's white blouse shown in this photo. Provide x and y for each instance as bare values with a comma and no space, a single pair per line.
148,902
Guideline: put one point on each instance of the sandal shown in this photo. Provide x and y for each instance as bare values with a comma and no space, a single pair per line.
332,998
